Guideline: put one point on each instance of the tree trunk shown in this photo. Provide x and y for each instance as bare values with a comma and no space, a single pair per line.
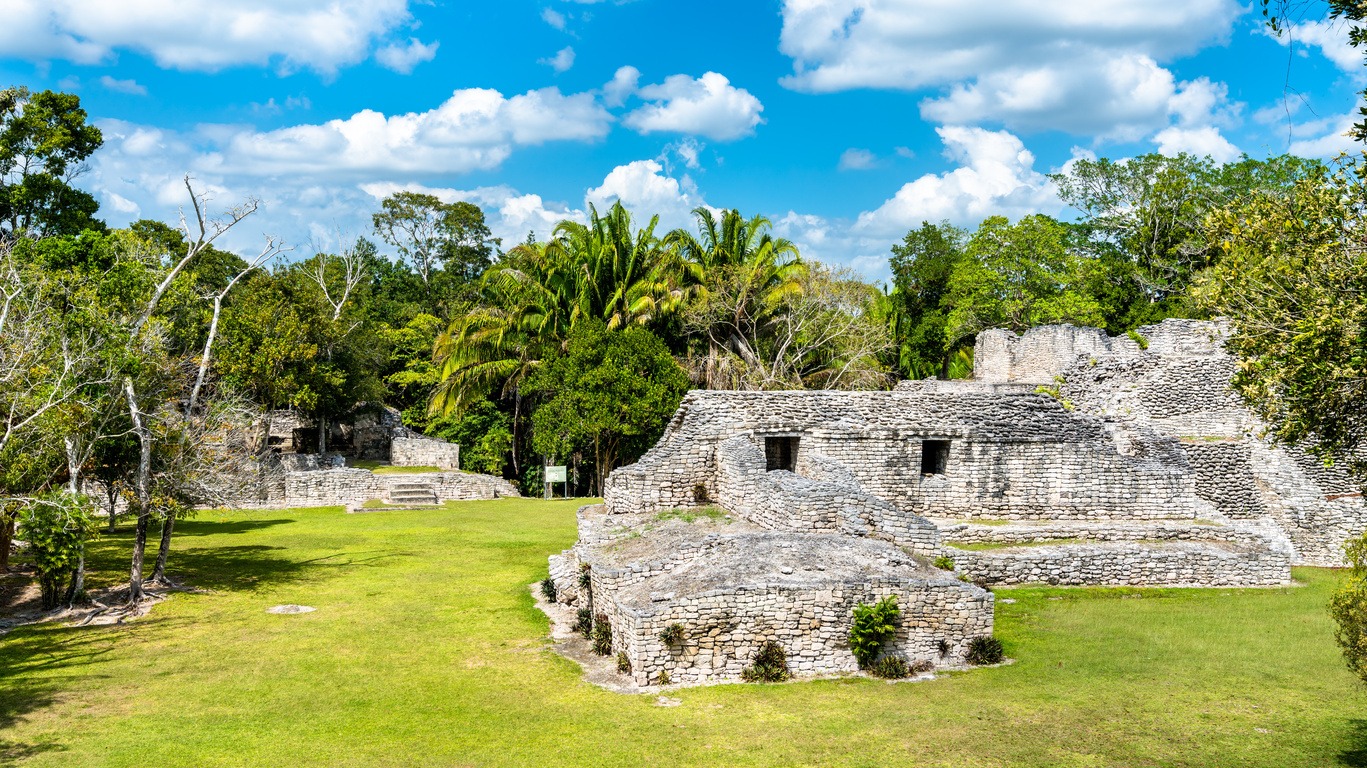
77,588
73,464
112,490
517,419
7,520
143,492
164,550
322,435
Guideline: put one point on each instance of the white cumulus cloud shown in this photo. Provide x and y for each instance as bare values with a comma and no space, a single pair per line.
996,175
1030,64
645,189
476,128
706,106
204,35
403,58
130,87
561,61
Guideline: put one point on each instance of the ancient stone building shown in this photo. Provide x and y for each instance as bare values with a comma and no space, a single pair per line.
1072,458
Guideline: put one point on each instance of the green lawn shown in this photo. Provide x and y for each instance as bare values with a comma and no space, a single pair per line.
426,650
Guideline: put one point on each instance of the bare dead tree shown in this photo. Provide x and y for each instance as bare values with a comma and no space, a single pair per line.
201,231
336,276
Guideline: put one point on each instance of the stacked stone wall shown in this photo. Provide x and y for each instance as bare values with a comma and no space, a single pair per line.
785,501
355,486
725,627
1128,564
424,452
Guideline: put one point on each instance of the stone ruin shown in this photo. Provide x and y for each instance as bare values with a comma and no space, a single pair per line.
1072,458
297,476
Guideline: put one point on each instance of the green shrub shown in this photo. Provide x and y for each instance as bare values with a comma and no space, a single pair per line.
770,665
890,668
663,679
1138,338
873,626
585,576
602,635
984,650
583,622
920,667
548,588
56,528
623,663
672,634
944,562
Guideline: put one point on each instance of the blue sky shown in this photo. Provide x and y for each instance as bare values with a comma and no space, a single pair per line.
846,122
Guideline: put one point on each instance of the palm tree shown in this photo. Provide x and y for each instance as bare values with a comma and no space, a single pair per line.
622,274
537,293
758,270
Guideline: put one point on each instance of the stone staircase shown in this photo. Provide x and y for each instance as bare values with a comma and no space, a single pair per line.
413,494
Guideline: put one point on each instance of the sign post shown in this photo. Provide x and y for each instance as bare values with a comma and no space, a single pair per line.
555,475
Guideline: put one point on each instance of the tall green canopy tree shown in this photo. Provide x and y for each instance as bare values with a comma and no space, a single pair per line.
44,142
757,272
1017,276
1144,219
1293,283
921,268
448,245
609,393
605,270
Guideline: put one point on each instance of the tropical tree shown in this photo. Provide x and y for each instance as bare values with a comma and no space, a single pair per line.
1017,276
44,141
1292,280
755,271
608,392
922,265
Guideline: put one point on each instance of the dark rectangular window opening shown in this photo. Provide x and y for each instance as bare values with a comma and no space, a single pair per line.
934,456
780,453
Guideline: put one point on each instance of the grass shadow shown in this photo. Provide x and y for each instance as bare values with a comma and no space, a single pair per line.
1357,756
214,527
37,666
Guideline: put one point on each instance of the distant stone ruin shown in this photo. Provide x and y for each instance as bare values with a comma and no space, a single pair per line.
295,475
1073,458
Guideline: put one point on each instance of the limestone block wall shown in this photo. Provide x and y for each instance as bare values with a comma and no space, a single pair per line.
328,487
354,486
953,532
424,452
1184,564
784,501
465,486
1225,478
725,627
1037,355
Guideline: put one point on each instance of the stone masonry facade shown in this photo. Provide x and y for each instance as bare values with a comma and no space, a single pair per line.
1072,458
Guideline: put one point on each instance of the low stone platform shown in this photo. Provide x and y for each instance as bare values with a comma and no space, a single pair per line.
732,585
1180,553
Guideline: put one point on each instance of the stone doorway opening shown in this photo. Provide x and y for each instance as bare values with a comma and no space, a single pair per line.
934,456
780,452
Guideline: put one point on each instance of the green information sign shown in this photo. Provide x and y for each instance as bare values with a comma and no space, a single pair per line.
555,474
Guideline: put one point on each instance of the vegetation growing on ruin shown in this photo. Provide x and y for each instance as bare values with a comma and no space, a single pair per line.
693,514
874,625
770,665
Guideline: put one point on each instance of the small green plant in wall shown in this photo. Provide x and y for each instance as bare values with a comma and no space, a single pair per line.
874,625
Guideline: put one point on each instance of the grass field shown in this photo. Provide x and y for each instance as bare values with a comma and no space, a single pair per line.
426,650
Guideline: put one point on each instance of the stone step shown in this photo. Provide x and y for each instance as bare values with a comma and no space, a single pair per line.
413,493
